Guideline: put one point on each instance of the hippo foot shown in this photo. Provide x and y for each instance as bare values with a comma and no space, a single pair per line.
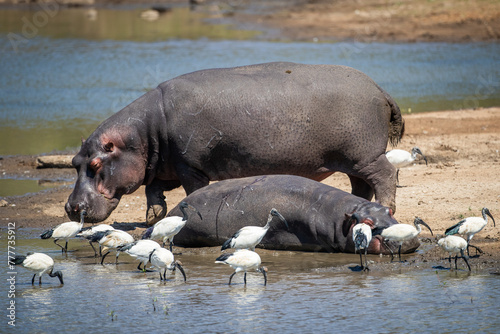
155,213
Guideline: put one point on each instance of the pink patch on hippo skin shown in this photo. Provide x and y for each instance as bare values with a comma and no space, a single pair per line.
96,164
368,222
104,191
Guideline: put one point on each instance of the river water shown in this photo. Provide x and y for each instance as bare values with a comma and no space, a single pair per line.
306,293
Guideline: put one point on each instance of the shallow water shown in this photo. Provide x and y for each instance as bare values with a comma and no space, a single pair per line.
306,293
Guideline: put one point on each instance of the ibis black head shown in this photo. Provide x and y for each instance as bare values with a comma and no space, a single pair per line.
485,212
416,150
419,221
57,274
275,213
178,264
263,270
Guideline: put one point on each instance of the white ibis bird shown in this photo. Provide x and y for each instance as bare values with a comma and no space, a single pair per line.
89,233
162,258
401,158
140,250
402,232
243,260
453,245
470,226
64,231
362,235
112,239
168,227
40,263
249,236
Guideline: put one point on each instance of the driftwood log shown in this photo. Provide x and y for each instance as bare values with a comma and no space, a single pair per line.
54,161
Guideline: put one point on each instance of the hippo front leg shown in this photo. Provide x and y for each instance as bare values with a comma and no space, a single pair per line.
381,176
156,205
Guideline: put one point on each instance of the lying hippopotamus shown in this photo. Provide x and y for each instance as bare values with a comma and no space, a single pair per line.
318,216
275,118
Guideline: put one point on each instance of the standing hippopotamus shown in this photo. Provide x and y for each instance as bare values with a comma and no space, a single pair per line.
275,118
318,216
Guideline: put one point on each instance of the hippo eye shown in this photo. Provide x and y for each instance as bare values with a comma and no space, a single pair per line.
391,213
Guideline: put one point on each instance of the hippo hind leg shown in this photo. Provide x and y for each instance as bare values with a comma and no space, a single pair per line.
156,206
380,175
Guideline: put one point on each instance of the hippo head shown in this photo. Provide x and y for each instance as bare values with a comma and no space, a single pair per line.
110,163
378,217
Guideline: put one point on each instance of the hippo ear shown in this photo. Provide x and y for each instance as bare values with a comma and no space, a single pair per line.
83,140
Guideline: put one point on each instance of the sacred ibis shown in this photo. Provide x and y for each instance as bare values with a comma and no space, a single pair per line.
242,260
362,235
64,231
168,227
40,263
470,226
89,233
400,158
453,245
140,250
249,236
402,232
112,239
162,258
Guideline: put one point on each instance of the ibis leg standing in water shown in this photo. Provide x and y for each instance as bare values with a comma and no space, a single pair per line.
401,158
162,258
362,235
243,260
168,227
40,263
402,232
454,245
90,232
249,236
470,226
64,231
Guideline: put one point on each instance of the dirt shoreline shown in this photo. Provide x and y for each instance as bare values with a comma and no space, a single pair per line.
462,148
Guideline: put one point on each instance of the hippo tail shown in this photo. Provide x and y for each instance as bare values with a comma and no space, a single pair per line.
397,123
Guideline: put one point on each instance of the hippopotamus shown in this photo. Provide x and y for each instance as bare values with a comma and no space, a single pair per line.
216,124
319,217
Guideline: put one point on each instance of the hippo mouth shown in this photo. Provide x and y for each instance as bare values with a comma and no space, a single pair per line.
98,208
379,245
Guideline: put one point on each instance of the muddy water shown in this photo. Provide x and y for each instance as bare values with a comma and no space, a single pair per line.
306,292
